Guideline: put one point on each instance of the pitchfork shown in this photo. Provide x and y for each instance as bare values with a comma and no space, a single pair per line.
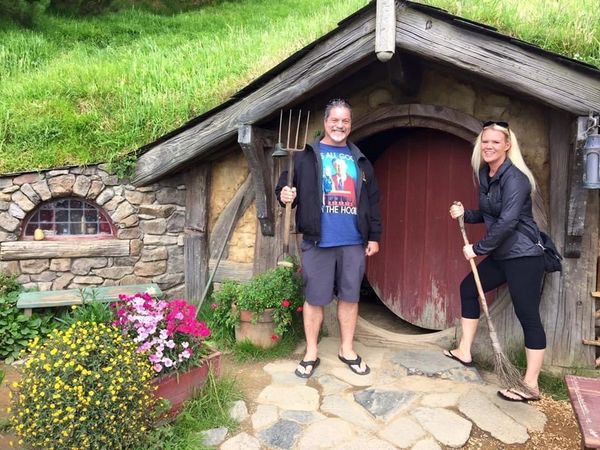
288,151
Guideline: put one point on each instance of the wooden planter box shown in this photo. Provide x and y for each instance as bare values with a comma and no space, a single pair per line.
177,388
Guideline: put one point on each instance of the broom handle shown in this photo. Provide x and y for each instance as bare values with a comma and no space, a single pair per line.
482,301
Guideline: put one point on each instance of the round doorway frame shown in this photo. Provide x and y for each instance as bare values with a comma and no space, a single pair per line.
436,117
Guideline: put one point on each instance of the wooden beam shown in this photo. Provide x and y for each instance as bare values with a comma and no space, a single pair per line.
252,140
578,195
16,250
334,55
385,34
529,73
231,270
195,247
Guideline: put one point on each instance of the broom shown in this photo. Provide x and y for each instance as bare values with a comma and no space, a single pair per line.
508,374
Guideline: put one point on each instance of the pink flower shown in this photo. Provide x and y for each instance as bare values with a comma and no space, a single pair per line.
214,306
285,303
274,337
299,309
157,367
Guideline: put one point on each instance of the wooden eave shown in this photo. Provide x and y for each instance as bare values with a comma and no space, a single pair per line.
424,31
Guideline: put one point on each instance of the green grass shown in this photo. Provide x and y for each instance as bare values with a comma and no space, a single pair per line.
88,90
210,409
246,351
81,91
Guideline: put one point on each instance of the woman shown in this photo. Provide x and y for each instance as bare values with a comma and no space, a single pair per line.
513,257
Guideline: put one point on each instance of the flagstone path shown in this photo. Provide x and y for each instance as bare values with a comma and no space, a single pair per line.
413,398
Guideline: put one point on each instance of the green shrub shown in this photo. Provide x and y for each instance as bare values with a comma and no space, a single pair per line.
17,329
84,388
220,319
24,12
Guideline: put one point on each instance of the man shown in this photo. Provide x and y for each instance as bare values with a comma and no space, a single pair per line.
338,232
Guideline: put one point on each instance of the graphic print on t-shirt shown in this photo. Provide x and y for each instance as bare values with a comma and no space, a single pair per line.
339,224
339,181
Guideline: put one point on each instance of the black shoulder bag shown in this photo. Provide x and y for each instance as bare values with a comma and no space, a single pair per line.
552,259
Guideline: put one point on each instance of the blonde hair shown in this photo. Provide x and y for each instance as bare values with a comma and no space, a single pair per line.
514,154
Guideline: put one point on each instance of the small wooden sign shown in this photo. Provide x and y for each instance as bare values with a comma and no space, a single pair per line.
584,394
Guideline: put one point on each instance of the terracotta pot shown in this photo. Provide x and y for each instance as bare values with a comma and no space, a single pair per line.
259,331
178,388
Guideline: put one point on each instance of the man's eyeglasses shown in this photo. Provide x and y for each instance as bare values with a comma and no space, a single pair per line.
492,122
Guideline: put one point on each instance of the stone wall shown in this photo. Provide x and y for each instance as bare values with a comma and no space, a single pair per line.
148,220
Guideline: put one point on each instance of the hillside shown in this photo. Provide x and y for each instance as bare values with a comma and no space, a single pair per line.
80,91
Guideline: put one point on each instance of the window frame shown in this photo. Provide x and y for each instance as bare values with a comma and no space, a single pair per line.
68,237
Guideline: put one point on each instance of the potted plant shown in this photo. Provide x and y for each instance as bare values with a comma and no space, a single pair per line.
262,309
173,340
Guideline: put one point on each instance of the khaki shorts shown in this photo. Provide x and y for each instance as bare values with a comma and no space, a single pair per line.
332,271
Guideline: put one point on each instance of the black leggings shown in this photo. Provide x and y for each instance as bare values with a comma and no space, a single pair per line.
524,278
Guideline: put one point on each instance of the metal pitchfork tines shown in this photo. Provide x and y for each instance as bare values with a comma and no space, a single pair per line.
288,151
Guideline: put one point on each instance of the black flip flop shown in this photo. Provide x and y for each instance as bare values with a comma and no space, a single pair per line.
449,354
355,362
306,364
520,397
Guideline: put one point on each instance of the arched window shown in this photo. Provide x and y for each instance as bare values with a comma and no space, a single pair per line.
68,217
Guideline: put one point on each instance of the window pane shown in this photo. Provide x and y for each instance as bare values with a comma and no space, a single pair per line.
76,203
104,227
45,215
91,228
30,229
62,204
91,215
46,226
62,228
62,215
76,215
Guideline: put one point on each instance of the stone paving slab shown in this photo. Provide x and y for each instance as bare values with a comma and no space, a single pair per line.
403,432
487,416
326,434
446,426
302,398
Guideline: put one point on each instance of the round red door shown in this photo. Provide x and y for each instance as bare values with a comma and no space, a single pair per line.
420,265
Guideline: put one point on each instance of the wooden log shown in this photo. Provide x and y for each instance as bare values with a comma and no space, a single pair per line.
252,140
195,250
341,53
590,342
498,60
16,250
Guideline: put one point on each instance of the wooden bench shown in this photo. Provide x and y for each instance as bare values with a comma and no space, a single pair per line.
66,297
584,394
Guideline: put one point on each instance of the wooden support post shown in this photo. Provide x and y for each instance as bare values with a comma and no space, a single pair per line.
578,195
253,142
195,243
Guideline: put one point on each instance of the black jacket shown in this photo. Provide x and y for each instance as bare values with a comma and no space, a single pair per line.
506,208
308,181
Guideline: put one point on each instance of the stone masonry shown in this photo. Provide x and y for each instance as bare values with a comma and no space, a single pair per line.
151,219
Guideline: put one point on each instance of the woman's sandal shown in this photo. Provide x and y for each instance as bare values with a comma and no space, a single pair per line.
512,395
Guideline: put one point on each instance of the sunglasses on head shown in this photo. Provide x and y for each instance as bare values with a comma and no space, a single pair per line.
493,122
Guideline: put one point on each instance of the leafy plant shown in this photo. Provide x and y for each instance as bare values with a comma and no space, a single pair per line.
220,319
279,288
90,311
166,330
17,329
86,387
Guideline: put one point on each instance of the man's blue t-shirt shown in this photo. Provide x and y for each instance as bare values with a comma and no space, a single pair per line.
339,224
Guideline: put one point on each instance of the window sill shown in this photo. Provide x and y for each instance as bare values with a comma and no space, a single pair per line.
16,250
